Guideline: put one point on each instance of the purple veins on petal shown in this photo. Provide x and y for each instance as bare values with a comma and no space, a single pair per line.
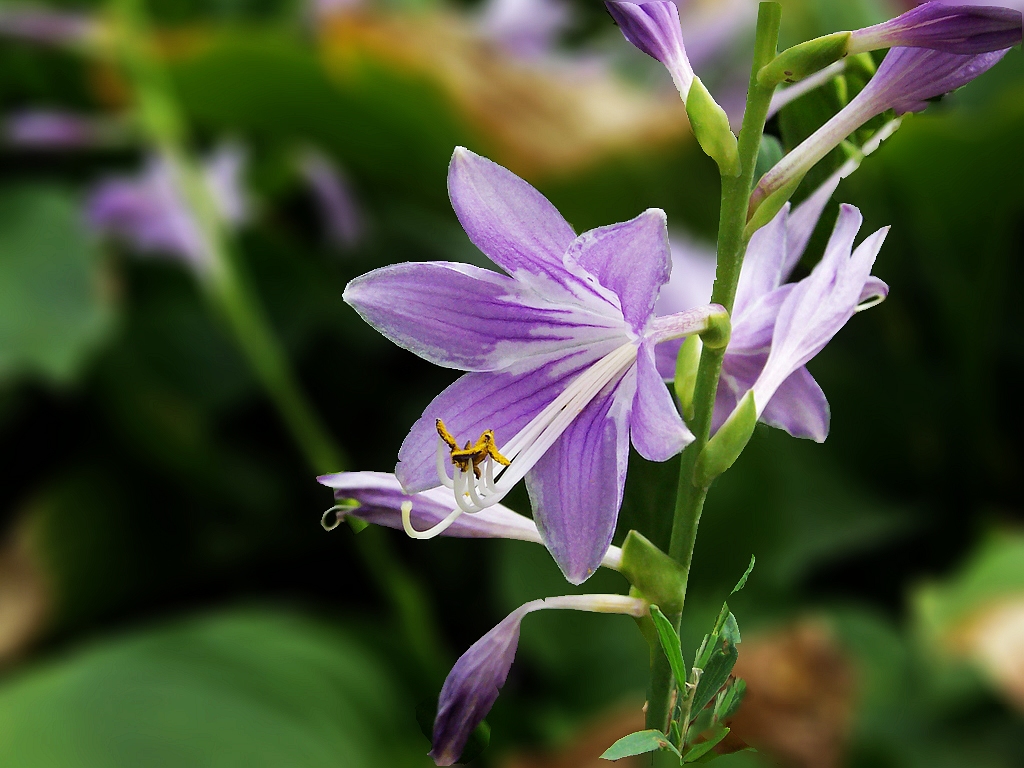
473,684
958,29
654,28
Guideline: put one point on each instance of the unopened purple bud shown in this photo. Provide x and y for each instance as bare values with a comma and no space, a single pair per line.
905,82
654,29
961,29
472,686
333,197
39,25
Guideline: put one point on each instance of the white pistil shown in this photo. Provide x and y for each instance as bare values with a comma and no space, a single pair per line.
431,532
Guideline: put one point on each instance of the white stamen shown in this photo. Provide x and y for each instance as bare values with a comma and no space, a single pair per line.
442,460
431,532
526,448
874,301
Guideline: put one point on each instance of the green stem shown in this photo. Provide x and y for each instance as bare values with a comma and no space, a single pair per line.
731,247
233,298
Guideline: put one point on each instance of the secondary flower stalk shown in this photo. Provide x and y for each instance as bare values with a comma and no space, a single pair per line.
906,79
559,355
472,686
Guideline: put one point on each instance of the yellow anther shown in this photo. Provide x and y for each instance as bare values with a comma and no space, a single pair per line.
473,454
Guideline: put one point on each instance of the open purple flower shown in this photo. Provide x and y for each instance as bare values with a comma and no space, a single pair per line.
472,686
797,404
383,502
560,358
905,81
150,212
961,29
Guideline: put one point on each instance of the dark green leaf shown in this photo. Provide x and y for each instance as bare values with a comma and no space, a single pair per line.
639,743
732,697
254,688
716,674
698,751
670,643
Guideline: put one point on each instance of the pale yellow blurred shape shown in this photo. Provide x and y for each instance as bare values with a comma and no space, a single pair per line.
993,638
536,117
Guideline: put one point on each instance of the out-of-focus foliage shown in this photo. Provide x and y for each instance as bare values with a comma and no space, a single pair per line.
158,479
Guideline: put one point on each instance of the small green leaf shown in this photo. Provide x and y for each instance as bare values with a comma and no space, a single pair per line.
698,751
710,126
728,442
804,59
730,632
670,643
687,362
743,579
639,743
716,674
731,698
657,577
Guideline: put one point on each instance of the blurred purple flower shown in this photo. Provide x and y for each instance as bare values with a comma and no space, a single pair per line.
905,81
472,686
42,25
527,29
52,129
960,29
796,404
381,497
149,211
560,358
334,198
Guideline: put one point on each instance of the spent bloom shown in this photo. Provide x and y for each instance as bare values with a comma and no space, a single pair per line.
559,354
150,213
788,398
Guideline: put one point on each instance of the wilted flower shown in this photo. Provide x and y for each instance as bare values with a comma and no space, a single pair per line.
472,686
150,212
560,358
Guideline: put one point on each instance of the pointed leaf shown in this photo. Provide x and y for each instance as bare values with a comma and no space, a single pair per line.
698,751
743,579
670,643
730,632
716,674
639,743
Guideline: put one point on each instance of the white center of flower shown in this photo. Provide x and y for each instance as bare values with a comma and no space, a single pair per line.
474,494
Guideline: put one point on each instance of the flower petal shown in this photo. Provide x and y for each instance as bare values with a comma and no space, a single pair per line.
381,496
958,29
467,318
761,272
632,259
576,487
799,407
657,431
504,402
472,686
654,28
511,222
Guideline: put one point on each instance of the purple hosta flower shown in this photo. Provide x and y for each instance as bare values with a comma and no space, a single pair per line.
796,404
382,502
655,29
814,310
55,129
961,29
472,686
527,29
150,213
906,79
560,356
333,197
42,25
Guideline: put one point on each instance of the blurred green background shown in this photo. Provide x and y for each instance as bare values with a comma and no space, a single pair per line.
167,595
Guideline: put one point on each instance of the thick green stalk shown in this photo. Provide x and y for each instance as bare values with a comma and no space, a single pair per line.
731,248
233,298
